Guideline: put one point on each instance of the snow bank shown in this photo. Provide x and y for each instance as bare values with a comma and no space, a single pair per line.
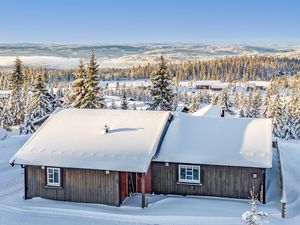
75,138
290,160
218,141
3,134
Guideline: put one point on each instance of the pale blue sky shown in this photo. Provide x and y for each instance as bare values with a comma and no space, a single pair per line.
148,21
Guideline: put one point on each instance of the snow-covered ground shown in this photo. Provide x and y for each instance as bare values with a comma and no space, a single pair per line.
162,209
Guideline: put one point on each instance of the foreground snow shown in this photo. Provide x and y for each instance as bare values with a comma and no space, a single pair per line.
162,209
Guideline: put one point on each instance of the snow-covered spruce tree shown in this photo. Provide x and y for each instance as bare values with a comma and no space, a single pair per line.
223,100
276,113
38,106
27,127
5,116
186,99
253,217
248,104
124,102
93,97
266,104
235,99
288,130
241,113
74,98
195,104
161,89
16,97
255,105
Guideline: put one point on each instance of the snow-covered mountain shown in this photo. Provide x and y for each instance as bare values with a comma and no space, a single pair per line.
66,56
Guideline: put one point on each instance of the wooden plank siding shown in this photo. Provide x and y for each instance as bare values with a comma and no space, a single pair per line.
220,181
78,185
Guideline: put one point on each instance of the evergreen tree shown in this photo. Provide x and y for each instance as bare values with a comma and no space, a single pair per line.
236,99
214,99
223,100
161,89
255,105
39,106
124,102
5,117
16,98
241,113
276,113
93,97
186,99
77,92
195,104
266,103
27,127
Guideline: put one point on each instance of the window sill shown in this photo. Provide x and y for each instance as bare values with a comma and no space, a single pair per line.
190,184
53,187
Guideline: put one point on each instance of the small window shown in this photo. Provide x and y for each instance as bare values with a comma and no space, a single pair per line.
53,177
189,174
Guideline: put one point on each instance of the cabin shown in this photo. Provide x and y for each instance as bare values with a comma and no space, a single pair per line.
205,84
104,156
92,156
220,157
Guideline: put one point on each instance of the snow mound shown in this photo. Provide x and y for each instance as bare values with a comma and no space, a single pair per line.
3,134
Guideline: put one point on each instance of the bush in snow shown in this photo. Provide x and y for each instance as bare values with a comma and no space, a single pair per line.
253,216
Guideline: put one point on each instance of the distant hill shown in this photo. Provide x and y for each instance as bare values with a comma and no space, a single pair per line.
67,56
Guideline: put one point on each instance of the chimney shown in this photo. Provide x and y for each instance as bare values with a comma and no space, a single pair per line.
106,129
222,111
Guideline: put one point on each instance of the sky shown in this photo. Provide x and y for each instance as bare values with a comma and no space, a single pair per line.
257,22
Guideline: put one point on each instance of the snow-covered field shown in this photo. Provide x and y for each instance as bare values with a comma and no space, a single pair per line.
162,209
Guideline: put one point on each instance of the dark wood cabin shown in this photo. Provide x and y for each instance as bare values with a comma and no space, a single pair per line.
83,185
208,180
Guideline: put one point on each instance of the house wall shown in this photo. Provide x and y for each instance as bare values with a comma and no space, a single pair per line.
78,185
221,181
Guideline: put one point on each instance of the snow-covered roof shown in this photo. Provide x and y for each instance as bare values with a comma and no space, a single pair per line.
219,85
206,82
259,83
208,111
218,141
75,138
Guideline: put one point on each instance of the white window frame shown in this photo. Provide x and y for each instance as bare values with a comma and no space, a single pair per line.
49,178
186,180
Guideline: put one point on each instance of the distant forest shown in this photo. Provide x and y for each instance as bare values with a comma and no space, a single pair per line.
228,69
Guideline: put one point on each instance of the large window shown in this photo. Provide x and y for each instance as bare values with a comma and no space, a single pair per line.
53,177
189,174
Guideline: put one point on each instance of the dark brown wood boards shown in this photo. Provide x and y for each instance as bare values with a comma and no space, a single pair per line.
78,185
220,181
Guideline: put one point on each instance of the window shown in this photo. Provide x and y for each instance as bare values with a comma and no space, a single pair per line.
53,176
189,174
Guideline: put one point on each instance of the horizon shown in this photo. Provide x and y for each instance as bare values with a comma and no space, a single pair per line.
116,22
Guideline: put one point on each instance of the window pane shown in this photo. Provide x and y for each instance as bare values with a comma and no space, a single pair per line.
50,180
56,176
189,177
182,173
189,171
51,175
50,170
195,174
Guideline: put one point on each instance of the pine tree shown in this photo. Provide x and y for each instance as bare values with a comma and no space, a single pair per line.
77,92
161,89
195,104
236,99
255,105
186,99
27,127
124,102
214,99
266,104
39,104
276,113
93,97
16,98
5,117
223,100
